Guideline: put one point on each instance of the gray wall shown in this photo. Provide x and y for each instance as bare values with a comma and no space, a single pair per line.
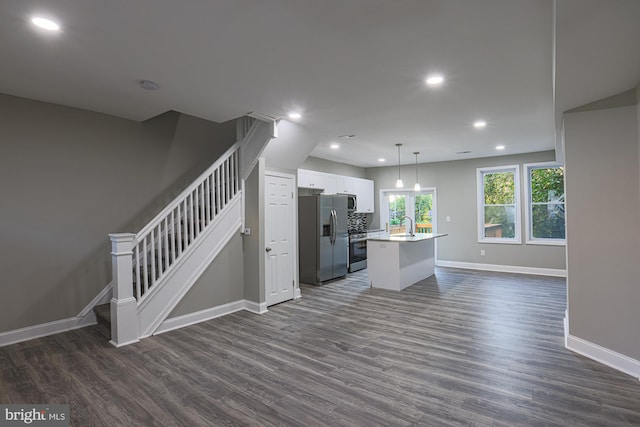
322,165
68,177
221,283
253,279
603,226
455,184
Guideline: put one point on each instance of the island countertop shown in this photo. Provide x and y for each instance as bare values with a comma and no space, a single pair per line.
417,237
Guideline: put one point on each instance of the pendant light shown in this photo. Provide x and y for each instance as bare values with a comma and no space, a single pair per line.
417,186
399,183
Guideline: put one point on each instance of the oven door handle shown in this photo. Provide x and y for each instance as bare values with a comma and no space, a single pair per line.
358,240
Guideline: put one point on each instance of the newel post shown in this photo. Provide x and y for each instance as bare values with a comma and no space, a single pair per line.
124,312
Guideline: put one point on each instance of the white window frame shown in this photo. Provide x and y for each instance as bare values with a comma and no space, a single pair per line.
480,172
530,240
410,206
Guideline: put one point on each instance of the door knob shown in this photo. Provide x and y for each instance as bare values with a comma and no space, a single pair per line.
268,249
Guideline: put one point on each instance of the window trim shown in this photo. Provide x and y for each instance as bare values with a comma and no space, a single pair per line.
383,205
529,239
480,172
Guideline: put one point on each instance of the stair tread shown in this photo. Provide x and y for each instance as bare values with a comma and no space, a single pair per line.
103,313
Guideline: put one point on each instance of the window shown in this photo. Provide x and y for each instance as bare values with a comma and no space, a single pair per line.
545,203
499,204
396,205
397,212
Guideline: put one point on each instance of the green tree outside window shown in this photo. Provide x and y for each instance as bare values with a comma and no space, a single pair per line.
547,202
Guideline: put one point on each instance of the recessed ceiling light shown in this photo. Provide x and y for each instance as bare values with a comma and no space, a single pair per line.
334,146
382,160
435,80
295,115
479,124
149,85
499,147
45,23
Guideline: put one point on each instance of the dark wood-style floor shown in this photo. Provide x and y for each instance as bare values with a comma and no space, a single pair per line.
461,348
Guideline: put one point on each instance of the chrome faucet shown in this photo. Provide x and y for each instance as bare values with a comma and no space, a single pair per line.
411,222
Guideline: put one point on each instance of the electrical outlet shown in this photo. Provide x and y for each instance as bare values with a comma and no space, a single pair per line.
481,252
448,218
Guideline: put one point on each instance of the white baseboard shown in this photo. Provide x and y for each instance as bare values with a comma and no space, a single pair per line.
605,356
208,314
86,317
503,268
45,329
64,325
254,307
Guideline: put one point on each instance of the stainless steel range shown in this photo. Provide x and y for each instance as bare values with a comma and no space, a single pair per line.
357,250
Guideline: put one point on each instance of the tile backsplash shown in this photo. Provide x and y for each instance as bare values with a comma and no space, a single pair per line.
357,221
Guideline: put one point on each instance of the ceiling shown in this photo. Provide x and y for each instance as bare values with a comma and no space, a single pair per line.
353,67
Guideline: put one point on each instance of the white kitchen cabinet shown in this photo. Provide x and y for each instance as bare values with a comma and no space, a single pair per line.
311,179
347,184
364,192
330,183
340,184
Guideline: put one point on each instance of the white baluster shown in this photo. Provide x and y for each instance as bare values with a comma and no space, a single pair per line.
196,211
136,260
180,228
227,187
124,314
192,218
145,265
217,191
153,256
203,218
234,174
185,225
173,236
165,243
207,194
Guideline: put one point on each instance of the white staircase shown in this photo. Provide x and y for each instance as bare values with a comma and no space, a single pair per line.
155,268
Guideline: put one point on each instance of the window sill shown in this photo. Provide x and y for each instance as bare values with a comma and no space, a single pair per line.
502,241
547,242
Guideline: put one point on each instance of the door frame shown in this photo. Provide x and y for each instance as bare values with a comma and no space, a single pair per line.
294,229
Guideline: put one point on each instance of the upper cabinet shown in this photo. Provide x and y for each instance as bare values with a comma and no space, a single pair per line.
339,184
310,179
346,184
364,192
331,183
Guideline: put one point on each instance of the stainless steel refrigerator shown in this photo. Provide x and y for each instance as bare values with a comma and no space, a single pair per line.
323,237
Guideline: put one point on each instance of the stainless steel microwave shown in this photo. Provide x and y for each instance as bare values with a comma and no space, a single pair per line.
352,203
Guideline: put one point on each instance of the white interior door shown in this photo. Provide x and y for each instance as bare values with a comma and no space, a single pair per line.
279,238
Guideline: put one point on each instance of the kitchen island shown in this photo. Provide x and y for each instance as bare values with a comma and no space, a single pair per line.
397,261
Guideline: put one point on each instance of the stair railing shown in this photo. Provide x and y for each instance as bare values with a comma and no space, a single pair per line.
143,259
161,243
